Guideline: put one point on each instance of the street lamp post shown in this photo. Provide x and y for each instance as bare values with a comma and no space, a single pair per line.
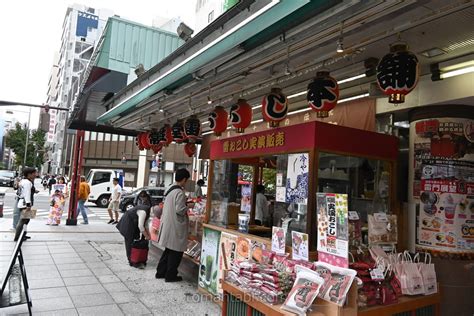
27,138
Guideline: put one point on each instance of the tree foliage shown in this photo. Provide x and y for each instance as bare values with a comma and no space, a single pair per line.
16,138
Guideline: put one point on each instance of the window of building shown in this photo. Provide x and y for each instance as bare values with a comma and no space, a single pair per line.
114,137
91,10
122,138
93,135
100,136
210,17
107,137
87,135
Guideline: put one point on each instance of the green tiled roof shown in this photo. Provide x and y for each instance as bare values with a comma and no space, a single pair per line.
127,44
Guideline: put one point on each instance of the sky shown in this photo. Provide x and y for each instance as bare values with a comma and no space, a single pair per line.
30,32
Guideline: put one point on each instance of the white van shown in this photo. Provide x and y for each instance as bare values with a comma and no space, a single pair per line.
101,183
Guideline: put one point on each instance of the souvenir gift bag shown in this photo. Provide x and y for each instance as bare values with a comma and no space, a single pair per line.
427,271
411,280
382,229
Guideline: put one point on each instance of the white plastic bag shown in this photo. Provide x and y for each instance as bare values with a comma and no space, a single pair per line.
305,290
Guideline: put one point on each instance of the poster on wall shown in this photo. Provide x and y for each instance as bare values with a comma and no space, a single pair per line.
209,267
297,178
280,195
443,185
278,240
257,249
246,201
243,249
333,228
299,243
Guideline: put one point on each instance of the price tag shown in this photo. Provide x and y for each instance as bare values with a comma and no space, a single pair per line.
377,274
353,216
381,217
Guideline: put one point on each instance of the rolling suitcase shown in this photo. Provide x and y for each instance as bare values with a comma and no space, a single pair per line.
139,252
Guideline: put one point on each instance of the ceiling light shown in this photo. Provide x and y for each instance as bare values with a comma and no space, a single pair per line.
351,78
296,94
161,110
209,101
457,72
205,123
433,52
360,96
256,107
256,121
340,46
206,133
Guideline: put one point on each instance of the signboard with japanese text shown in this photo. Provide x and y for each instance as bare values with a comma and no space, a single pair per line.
209,268
275,140
443,185
227,255
333,227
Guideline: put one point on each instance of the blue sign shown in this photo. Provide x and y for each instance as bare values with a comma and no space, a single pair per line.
84,21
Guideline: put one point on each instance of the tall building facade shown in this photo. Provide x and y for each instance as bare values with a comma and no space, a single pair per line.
209,10
82,27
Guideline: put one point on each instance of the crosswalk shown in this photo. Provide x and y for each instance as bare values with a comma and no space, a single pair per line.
94,213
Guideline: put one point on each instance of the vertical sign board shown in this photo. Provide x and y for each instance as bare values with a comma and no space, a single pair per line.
84,22
208,270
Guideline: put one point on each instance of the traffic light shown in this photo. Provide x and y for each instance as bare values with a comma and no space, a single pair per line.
159,161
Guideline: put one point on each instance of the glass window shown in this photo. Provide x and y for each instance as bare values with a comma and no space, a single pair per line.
107,137
93,135
101,177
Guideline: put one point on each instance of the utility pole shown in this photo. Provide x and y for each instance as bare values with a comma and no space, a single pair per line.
27,138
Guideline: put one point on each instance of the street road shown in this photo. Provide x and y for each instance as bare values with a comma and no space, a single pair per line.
42,201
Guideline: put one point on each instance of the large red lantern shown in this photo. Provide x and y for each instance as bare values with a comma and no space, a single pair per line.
154,137
274,107
138,142
398,73
166,137
218,120
178,131
192,129
143,141
190,149
241,115
156,148
323,93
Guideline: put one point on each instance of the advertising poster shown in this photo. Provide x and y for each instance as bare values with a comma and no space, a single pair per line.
280,194
227,253
299,243
59,187
279,179
297,178
443,185
246,202
209,260
278,240
257,250
243,248
333,226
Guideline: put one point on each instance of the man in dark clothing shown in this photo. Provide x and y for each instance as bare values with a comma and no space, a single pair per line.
51,182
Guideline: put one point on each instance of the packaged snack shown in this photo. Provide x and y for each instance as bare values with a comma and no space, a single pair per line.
337,282
305,290
267,256
257,276
271,278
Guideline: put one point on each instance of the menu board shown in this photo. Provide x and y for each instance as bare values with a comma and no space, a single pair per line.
333,226
227,255
443,185
209,267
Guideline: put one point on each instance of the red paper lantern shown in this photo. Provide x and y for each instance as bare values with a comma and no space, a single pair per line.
240,115
165,134
323,93
138,142
218,120
154,137
274,107
178,132
190,149
192,129
156,148
398,73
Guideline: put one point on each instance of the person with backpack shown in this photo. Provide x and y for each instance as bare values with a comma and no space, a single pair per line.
51,182
173,232
25,199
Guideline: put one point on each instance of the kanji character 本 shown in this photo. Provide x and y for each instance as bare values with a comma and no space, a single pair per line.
280,139
261,142
253,143
320,92
271,140
226,146
232,146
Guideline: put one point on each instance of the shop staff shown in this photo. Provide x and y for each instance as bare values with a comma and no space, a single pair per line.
173,234
261,205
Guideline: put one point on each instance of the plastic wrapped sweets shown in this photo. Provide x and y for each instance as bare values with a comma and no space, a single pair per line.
337,282
305,290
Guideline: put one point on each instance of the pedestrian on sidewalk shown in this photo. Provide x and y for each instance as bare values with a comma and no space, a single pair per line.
25,194
51,182
84,191
142,199
114,202
58,200
133,225
173,232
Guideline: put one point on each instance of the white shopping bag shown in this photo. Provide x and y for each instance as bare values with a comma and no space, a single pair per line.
410,277
428,273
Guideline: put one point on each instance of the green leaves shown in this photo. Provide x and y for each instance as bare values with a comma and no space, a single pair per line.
16,138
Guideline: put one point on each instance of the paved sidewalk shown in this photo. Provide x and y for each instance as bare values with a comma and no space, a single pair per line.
82,270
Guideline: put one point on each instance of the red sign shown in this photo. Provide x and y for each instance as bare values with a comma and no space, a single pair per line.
445,186
277,140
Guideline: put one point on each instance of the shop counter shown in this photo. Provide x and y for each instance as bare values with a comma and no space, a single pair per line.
237,302
429,304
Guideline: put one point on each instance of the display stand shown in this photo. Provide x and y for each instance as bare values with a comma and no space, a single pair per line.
25,296
237,302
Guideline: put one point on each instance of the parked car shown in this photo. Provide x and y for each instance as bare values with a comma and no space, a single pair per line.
127,199
7,177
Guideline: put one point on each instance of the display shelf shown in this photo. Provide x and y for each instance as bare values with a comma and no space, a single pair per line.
405,304
191,259
319,308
